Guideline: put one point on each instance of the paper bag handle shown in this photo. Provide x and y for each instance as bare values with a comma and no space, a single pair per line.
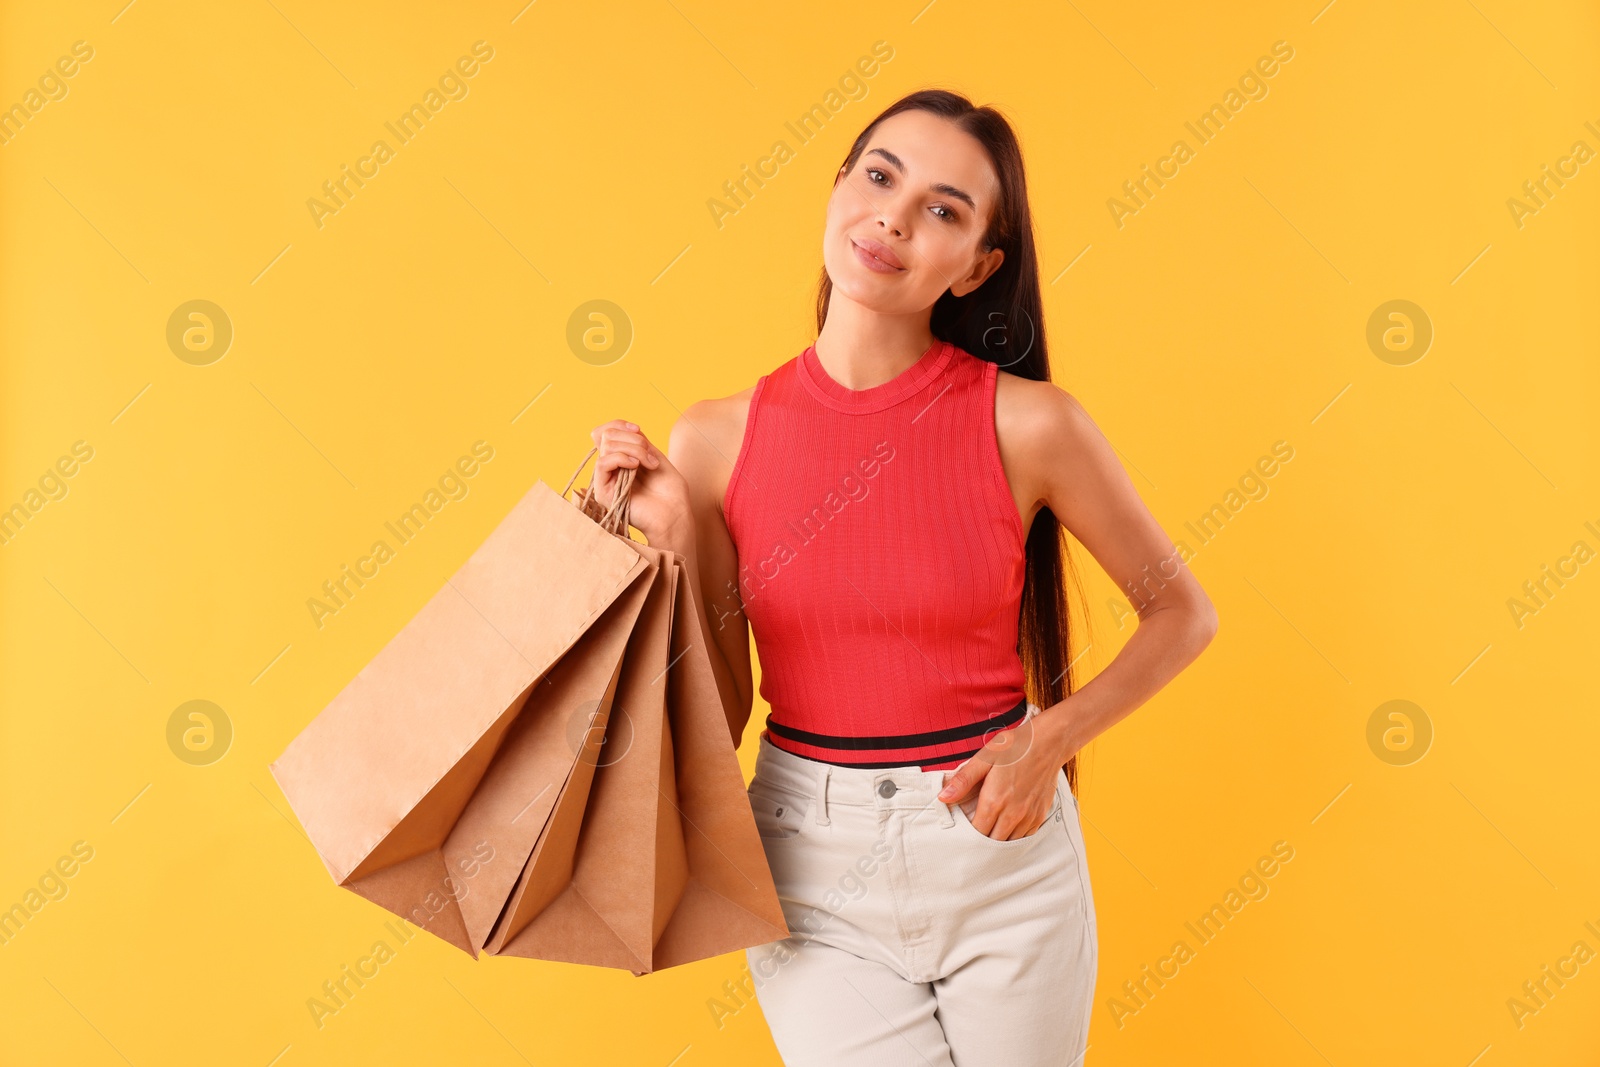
615,518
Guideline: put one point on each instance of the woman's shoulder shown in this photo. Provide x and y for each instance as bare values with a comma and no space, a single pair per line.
719,421
720,418
707,437
1039,417
1033,401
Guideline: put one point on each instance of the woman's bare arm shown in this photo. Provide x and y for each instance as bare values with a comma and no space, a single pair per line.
703,445
1053,449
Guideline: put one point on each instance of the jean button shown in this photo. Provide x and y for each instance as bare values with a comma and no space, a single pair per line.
887,788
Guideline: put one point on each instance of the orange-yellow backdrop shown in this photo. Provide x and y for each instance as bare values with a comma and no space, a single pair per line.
1441,858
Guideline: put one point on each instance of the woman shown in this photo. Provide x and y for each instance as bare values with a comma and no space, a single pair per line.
863,506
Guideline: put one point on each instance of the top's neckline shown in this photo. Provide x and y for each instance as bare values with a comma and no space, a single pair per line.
861,401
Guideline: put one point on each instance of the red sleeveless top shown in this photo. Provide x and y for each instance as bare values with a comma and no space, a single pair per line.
881,561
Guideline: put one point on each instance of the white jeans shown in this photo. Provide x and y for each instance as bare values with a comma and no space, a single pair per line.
916,940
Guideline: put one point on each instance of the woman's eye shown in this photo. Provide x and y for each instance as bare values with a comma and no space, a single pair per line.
873,174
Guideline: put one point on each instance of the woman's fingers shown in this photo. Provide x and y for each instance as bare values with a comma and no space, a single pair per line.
613,439
621,445
614,424
625,456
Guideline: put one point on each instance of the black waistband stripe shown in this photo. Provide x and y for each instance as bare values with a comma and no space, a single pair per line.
931,737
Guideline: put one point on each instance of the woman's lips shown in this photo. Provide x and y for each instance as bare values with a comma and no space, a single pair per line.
873,262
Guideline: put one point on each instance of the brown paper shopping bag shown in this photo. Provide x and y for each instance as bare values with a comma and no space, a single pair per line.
380,778
669,868
600,817
730,902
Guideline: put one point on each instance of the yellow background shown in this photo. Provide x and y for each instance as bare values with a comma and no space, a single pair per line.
431,311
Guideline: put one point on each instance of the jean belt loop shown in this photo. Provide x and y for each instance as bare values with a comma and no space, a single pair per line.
947,815
823,773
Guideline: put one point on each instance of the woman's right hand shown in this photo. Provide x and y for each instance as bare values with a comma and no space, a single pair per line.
658,499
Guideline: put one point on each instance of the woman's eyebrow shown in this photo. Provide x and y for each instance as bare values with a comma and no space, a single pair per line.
938,187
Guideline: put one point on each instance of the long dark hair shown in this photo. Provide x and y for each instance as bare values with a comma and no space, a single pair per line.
1002,322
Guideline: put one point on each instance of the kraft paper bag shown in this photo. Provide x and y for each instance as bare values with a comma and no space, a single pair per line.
603,892
598,814
537,787
380,778
541,770
730,902
669,868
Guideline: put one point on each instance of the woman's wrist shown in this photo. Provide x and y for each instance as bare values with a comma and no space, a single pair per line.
678,535
1054,728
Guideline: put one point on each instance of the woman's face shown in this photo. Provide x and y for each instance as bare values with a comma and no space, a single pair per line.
920,196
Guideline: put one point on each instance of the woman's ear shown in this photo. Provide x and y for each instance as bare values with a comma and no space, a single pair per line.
982,269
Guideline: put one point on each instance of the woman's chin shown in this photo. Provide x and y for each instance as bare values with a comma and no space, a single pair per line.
877,292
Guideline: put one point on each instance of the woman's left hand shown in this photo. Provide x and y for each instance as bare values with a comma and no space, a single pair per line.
1015,776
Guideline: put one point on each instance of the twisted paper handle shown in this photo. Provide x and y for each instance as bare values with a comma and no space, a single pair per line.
615,518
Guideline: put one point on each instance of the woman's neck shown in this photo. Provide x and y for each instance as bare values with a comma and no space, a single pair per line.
860,348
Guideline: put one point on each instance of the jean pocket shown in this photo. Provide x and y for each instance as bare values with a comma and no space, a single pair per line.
780,813
965,819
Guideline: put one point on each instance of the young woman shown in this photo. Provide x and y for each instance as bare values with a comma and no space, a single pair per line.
885,510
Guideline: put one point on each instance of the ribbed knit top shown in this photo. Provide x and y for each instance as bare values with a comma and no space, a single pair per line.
881,561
